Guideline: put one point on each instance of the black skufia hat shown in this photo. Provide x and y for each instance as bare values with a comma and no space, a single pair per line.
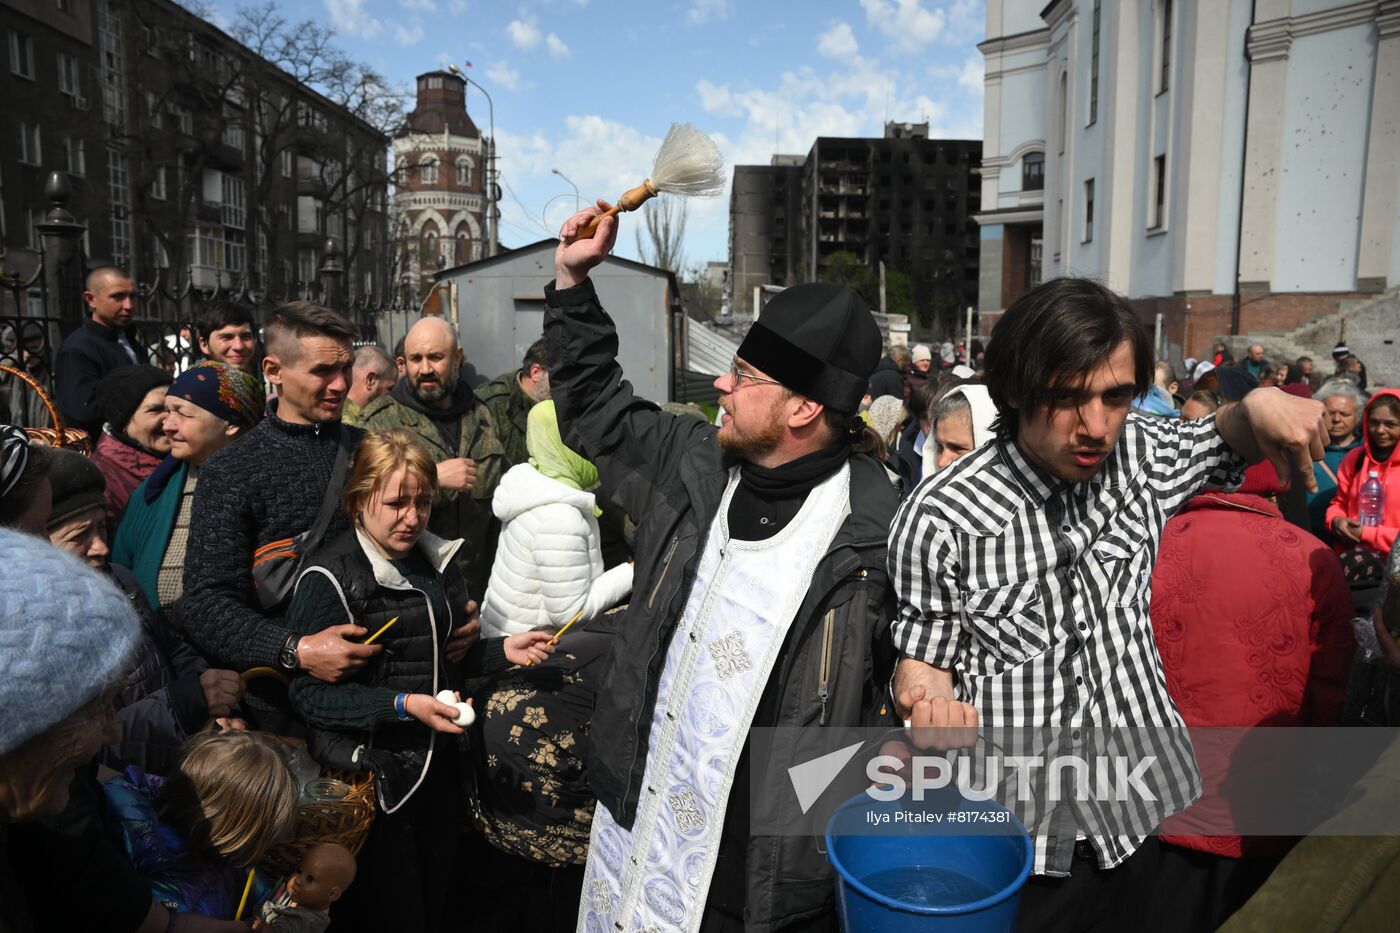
818,340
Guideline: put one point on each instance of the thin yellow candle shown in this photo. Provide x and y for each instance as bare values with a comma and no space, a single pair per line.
555,639
243,902
382,630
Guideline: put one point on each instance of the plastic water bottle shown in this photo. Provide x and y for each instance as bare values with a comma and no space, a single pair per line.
1372,500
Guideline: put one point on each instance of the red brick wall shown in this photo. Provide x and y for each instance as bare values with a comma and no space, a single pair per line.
1193,323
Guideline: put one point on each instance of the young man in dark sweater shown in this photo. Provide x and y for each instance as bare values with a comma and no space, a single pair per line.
269,486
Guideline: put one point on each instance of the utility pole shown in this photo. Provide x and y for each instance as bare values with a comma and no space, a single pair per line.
882,286
492,186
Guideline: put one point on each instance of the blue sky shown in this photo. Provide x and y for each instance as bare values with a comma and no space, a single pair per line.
591,86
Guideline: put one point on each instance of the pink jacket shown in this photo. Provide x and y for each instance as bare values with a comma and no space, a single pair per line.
124,467
1352,474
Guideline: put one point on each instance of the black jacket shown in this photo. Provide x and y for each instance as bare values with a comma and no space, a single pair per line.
162,702
414,660
886,380
88,354
669,472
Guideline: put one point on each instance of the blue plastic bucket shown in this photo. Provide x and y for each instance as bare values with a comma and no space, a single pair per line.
909,874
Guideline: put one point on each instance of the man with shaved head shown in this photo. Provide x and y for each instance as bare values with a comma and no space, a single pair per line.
374,375
95,349
434,402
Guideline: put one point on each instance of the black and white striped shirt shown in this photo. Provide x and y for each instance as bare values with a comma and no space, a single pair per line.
1035,591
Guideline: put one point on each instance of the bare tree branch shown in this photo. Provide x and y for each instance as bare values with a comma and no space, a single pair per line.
664,219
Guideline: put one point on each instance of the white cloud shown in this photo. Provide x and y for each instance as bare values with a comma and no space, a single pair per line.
524,32
907,23
716,99
427,6
967,20
408,36
504,75
709,11
349,16
973,74
557,48
458,7
838,42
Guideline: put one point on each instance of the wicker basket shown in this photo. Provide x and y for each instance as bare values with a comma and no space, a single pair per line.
345,821
57,436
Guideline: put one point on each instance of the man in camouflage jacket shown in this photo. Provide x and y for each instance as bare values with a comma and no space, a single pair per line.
511,396
459,431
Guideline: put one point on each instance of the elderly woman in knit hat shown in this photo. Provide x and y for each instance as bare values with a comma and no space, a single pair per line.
207,407
131,401
170,692
69,636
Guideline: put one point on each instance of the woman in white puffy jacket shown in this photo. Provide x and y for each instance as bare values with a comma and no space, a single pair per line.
549,566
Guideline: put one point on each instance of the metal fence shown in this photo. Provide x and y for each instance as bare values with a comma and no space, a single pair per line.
38,311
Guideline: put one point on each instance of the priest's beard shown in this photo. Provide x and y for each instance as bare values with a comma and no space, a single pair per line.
753,443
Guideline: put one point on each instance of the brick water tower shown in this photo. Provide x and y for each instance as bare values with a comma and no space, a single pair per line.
441,198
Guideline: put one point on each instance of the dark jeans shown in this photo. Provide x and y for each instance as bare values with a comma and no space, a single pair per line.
1091,899
1198,891
405,871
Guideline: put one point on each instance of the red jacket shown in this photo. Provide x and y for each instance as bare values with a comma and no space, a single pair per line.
124,467
1352,474
1252,620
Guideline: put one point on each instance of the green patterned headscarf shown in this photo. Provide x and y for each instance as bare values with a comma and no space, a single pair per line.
548,453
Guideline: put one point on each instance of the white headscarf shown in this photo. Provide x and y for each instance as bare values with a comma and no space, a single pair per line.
983,413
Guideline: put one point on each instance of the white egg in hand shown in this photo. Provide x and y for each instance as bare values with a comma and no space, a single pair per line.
465,714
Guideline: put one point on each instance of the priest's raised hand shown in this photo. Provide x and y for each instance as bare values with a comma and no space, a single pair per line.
572,260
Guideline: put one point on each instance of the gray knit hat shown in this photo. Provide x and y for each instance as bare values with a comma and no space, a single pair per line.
65,633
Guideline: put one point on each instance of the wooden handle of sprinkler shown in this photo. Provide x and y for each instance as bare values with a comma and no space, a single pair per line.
631,199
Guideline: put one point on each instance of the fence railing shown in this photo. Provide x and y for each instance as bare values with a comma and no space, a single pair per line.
38,310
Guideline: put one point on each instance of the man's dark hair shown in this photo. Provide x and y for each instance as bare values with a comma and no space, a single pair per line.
220,314
1051,338
852,428
921,399
398,347
537,355
297,319
98,273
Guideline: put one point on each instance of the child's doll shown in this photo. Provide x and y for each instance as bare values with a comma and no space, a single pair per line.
303,903
194,834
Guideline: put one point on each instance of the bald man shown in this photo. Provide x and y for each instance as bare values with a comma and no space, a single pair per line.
433,401
95,349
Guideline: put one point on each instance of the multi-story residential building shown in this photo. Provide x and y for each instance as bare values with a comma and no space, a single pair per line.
440,199
186,151
903,199
765,220
1232,166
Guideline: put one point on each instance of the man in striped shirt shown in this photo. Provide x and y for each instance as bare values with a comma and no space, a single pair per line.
1024,570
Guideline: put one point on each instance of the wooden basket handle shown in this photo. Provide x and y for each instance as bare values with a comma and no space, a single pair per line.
43,397
631,199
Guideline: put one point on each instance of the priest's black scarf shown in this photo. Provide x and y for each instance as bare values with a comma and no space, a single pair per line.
768,498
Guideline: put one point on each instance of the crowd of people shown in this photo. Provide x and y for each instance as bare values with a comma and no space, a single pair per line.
545,614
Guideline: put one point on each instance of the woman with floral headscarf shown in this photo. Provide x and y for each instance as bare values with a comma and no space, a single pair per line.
548,566
207,407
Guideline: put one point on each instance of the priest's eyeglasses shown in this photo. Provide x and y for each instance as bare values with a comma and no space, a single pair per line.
737,377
